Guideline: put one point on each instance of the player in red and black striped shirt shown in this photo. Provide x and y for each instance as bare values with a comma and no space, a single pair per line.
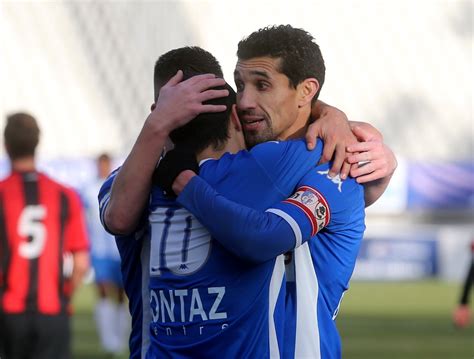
40,221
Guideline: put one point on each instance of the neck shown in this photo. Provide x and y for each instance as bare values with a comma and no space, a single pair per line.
25,164
298,128
231,146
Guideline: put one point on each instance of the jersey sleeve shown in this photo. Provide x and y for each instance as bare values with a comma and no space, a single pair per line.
323,201
286,162
250,234
75,230
104,197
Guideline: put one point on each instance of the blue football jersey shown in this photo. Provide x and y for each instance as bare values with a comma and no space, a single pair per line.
326,212
204,300
134,250
318,272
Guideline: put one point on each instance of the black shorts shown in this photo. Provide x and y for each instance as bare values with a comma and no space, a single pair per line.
34,335
2,336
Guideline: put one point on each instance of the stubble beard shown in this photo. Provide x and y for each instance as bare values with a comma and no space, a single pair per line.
253,138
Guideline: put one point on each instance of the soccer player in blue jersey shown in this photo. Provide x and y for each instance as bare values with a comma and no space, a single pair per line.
179,102
205,301
148,138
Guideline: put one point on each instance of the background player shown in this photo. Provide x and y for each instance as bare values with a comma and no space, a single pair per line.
462,314
111,312
40,221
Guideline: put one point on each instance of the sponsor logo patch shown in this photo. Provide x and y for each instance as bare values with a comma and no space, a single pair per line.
336,179
314,205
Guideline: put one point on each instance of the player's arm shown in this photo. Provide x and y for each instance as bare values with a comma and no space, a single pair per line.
372,162
76,240
81,265
340,135
178,103
248,233
104,197
282,162
332,126
327,202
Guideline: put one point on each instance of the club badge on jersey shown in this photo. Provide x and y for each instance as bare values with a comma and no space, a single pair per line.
314,205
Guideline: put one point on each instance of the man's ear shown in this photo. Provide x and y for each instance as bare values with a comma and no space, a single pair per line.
234,117
307,90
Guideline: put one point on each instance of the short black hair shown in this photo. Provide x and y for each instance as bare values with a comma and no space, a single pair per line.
21,135
192,58
300,55
207,128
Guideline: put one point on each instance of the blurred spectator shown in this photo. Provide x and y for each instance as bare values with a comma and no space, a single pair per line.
40,222
462,313
111,312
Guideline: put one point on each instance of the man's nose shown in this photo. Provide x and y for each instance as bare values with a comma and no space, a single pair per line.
246,100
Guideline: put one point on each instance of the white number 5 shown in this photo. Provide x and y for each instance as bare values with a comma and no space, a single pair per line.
30,225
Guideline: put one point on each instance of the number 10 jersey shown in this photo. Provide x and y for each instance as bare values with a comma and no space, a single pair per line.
205,301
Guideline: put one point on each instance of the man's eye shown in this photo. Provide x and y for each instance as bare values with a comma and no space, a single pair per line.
261,85
239,86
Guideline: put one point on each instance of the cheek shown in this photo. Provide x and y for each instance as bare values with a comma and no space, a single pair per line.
286,110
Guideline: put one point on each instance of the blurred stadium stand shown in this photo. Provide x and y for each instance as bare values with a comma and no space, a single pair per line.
84,69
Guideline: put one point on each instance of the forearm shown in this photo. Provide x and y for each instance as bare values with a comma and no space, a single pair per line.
177,104
331,125
250,234
131,187
373,162
373,190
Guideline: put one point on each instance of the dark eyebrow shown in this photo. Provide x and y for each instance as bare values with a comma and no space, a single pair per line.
260,73
253,72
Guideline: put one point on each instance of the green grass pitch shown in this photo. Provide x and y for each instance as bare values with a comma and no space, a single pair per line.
377,320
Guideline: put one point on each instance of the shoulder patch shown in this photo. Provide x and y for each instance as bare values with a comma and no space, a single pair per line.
314,205
336,179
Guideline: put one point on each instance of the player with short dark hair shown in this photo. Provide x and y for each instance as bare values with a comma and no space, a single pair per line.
21,135
40,222
292,47
295,63
166,115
